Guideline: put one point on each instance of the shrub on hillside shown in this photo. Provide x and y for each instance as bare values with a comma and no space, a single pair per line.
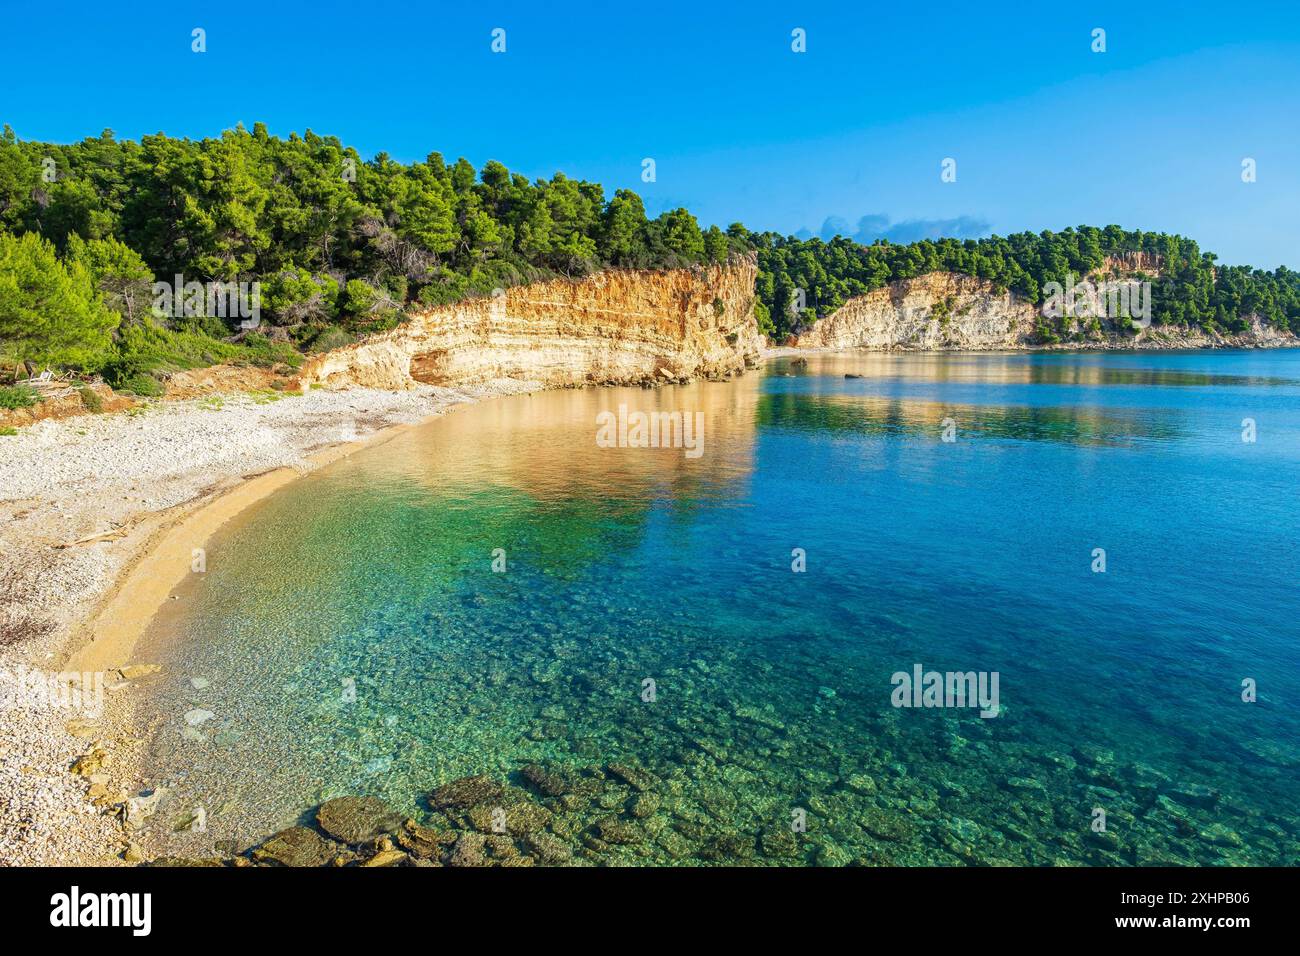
17,396
90,398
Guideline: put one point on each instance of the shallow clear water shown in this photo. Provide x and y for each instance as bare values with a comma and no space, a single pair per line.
1119,690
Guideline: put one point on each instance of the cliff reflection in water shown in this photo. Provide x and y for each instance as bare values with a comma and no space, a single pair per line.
1190,369
537,484
871,415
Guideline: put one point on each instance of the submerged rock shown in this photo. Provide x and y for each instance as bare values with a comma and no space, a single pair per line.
469,851
614,830
673,843
832,854
198,716
296,846
861,783
512,815
1104,839
549,850
560,782
549,784
386,858
136,671
355,820
886,826
634,777
731,846
424,843
139,808
779,843
466,792
1195,795
644,805
1220,835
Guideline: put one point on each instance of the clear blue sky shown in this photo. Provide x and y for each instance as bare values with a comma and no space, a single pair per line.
1045,132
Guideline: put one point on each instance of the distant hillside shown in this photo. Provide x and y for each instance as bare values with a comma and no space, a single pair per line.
1188,288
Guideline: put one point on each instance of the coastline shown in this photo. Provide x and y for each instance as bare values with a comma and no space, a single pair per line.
161,559
123,581
101,516
159,548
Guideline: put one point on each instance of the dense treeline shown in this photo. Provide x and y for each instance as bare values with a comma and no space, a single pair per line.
340,246
1186,293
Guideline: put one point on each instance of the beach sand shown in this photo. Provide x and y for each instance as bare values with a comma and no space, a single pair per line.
99,519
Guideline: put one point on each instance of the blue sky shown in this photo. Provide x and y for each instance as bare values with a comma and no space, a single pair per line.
1045,132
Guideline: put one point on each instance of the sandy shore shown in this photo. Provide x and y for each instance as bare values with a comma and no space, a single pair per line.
99,516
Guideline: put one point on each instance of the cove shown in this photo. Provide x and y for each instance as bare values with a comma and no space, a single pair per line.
350,635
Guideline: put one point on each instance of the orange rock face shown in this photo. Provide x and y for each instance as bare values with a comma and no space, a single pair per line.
617,327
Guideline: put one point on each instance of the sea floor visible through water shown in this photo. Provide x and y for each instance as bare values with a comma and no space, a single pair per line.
618,639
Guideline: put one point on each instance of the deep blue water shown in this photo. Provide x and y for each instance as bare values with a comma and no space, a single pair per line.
1119,691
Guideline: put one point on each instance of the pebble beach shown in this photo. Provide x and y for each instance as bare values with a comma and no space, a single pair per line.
81,500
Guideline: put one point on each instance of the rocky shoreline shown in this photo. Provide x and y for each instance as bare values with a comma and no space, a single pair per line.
478,821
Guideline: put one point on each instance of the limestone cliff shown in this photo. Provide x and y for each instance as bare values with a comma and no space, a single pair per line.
943,310
617,327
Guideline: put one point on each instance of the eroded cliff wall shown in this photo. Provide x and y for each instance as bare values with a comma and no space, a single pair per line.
618,327
935,311
943,310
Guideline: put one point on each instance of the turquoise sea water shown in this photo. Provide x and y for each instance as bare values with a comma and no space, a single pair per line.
351,636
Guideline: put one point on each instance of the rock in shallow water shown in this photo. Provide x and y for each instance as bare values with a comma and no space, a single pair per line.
198,716
386,858
179,861
644,805
296,846
424,843
548,849
354,820
470,850
614,830
465,793
560,782
512,815
1195,795
861,783
634,777
779,843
